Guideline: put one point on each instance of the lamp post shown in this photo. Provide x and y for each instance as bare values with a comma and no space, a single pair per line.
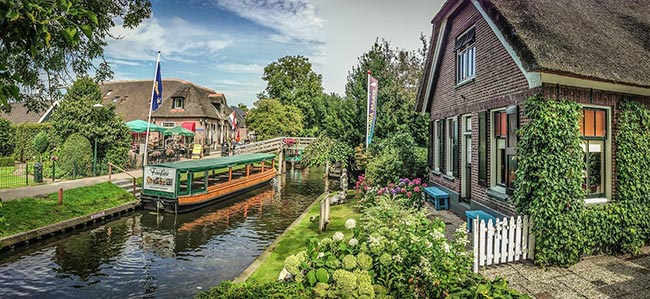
96,106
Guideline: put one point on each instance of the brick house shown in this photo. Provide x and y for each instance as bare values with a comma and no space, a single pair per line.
197,108
488,56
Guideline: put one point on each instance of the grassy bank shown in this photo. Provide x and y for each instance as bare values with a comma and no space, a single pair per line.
294,240
29,213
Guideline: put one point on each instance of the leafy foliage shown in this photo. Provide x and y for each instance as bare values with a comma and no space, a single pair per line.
292,81
76,114
75,156
7,135
399,73
41,143
633,152
394,157
324,150
548,179
6,161
270,119
394,252
24,140
271,290
44,39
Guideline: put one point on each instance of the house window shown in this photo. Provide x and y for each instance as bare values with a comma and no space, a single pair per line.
593,131
168,124
504,128
465,56
179,103
452,147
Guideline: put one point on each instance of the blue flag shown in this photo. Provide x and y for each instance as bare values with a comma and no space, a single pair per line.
156,100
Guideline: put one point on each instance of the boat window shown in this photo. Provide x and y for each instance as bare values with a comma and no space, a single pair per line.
198,181
182,184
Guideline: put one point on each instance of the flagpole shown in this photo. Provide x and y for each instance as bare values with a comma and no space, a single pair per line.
153,87
368,108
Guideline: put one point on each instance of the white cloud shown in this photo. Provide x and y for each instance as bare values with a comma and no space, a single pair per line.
293,19
178,39
240,68
232,83
123,62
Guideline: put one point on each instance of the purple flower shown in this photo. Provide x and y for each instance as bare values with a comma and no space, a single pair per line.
393,192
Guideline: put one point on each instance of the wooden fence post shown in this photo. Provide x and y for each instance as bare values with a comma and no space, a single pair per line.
476,244
110,171
60,196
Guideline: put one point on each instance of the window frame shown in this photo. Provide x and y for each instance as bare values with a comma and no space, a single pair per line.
166,124
466,58
436,145
182,103
451,147
606,195
509,138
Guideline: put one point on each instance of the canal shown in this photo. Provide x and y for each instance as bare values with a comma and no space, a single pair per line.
160,256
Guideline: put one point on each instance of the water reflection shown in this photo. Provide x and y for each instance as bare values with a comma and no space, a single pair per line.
162,256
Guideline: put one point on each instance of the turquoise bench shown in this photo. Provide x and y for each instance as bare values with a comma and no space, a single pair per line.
439,198
480,215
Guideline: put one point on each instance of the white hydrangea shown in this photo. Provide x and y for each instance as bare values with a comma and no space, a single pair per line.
445,247
353,242
438,235
338,236
350,223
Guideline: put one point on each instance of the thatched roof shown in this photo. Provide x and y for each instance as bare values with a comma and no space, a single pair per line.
132,99
600,39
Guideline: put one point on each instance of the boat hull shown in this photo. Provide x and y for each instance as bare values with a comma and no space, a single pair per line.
214,194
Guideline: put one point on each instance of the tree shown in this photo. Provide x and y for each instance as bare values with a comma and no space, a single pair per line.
42,40
7,137
326,150
398,73
243,107
75,114
270,119
41,144
292,81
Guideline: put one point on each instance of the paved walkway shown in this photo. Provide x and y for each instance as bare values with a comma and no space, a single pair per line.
32,191
599,276
602,276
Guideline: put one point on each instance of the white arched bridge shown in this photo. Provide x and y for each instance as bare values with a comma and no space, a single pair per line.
288,149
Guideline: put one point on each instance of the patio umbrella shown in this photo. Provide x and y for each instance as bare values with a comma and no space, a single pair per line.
140,126
178,130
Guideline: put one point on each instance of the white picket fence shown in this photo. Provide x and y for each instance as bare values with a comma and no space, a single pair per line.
507,240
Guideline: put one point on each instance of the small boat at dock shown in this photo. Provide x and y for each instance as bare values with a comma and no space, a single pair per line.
183,186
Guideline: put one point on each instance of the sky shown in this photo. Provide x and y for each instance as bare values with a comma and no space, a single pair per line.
225,44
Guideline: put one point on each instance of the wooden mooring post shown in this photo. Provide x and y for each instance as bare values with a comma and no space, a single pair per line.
60,196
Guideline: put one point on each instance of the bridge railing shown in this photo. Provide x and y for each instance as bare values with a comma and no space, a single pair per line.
273,145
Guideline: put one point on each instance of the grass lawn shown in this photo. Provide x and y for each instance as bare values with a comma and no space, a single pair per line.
295,239
29,213
9,180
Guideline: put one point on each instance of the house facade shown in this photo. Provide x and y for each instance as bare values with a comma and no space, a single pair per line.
196,108
242,129
488,56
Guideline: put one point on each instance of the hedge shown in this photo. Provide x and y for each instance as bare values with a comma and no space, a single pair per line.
25,134
6,161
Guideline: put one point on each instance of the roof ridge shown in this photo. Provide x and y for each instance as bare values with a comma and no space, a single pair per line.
183,81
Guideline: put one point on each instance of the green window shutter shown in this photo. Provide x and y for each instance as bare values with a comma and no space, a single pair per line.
430,143
482,148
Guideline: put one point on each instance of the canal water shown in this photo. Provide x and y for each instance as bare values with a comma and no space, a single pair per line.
160,256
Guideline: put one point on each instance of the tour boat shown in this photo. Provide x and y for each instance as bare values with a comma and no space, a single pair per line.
183,186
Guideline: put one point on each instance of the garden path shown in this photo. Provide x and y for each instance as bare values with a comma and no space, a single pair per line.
602,276
451,220
38,190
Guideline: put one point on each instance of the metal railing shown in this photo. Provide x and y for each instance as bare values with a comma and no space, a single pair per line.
110,175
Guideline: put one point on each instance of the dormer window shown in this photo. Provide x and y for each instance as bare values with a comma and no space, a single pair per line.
465,56
179,103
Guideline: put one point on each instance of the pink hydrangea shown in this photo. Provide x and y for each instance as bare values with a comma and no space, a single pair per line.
403,190
424,185
380,192
409,194
411,184
365,188
416,189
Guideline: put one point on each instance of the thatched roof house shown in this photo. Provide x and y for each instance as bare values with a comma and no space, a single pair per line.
20,114
184,103
605,40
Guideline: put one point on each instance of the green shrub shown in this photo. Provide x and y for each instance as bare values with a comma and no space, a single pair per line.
273,290
7,137
117,155
6,161
41,143
395,157
25,134
75,156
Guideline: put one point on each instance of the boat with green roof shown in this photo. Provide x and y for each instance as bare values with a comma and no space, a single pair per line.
183,186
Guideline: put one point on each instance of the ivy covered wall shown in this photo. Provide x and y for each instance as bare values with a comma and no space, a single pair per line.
549,179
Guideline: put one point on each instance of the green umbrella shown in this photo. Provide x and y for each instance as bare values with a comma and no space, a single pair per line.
140,126
178,131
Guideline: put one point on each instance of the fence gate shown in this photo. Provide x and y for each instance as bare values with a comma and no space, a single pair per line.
15,176
506,240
